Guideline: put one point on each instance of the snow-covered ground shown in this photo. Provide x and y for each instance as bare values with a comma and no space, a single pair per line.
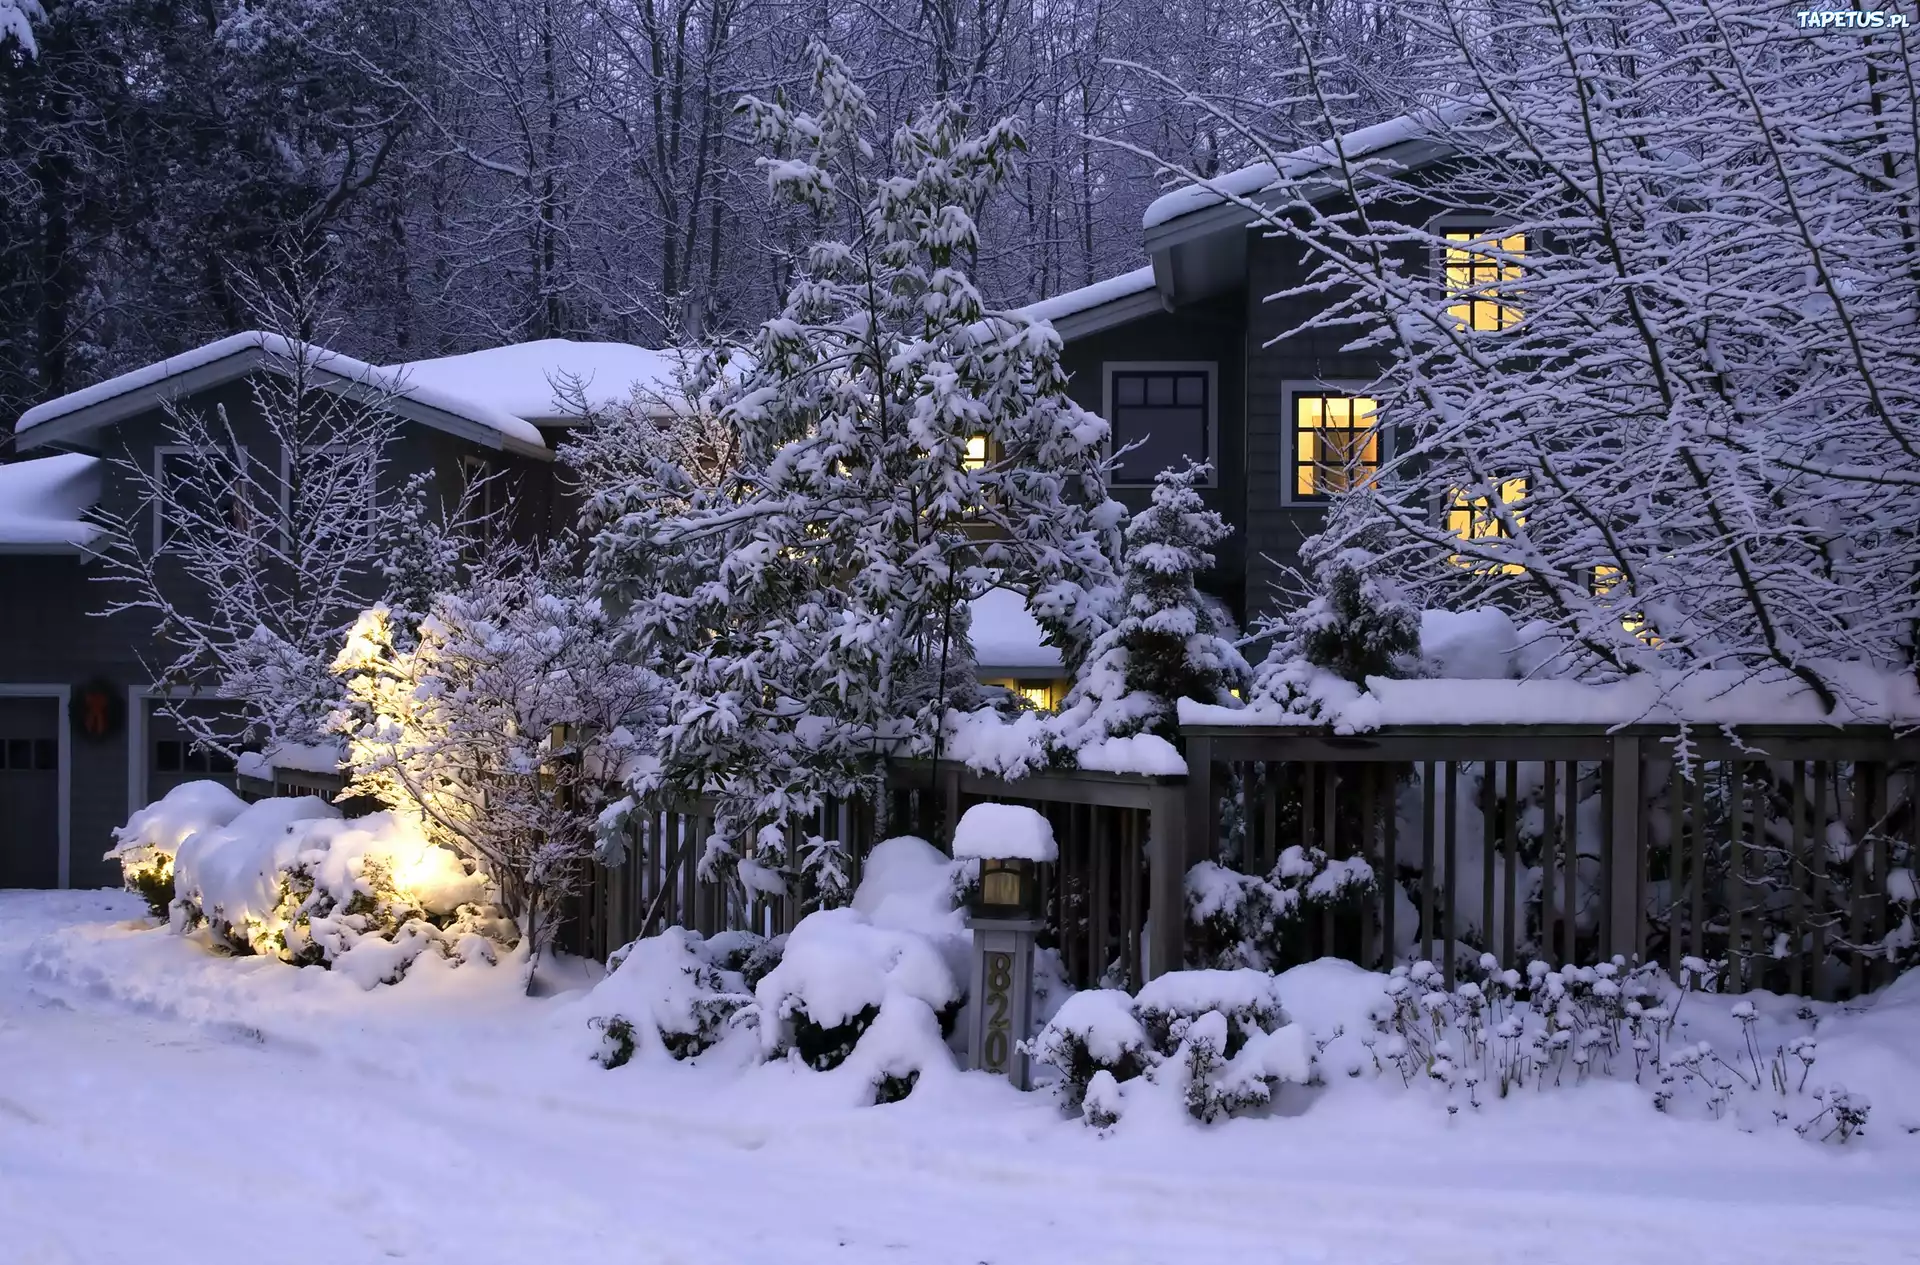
158,1103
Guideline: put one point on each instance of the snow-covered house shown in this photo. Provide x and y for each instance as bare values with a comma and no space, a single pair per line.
81,743
1187,358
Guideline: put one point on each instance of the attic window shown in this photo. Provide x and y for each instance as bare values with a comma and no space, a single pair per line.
198,495
1336,443
1480,271
1163,413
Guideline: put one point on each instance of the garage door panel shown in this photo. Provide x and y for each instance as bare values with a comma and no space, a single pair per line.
29,792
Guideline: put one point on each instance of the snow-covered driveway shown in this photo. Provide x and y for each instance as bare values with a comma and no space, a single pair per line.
160,1105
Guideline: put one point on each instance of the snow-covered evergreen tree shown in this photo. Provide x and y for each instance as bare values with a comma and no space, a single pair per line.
1354,621
900,450
1169,642
497,725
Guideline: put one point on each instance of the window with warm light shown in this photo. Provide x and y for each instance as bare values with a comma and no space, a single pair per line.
1602,582
1336,443
1476,518
975,455
1480,273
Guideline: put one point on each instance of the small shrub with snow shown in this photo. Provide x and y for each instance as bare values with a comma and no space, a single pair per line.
145,847
1217,1040
1506,1033
1261,922
843,978
675,993
290,878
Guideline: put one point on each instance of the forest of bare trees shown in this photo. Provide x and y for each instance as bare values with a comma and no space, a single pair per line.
472,172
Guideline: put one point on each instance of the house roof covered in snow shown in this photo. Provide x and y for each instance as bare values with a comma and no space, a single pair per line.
227,359
550,379
44,501
1007,638
1417,135
1099,306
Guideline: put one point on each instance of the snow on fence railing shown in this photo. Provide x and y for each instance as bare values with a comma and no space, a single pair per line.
1784,854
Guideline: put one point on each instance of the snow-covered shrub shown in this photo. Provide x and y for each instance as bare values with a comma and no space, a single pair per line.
1102,1101
836,974
1509,1032
145,847
1248,1000
1095,1032
1244,920
494,730
673,992
1353,622
291,878
1216,1040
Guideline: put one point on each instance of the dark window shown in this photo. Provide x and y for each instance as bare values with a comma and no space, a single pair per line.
168,756
219,763
1164,413
46,753
20,753
198,492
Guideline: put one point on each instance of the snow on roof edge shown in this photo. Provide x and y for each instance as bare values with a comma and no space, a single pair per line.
1243,182
43,500
1087,297
333,362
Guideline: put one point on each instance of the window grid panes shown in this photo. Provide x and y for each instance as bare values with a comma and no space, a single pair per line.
1164,413
1336,444
1475,518
1479,271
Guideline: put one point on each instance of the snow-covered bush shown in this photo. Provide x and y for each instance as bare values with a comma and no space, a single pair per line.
495,729
674,993
836,975
1509,1032
1094,1033
145,847
1248,999
1245,920
1217,1041
291,878
1353,622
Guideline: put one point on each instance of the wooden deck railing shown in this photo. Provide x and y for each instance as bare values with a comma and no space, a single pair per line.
1776,852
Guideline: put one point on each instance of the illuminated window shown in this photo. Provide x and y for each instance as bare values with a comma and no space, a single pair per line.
1604,580
1476,519
1042,696
975,457
1336,444
1480,271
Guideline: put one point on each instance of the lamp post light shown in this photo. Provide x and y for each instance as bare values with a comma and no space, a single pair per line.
1007,910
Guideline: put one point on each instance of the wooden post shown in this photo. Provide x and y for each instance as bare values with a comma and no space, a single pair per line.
1623,861
1198,844
1167,846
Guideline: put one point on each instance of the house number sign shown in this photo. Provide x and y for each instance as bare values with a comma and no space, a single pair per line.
999,1037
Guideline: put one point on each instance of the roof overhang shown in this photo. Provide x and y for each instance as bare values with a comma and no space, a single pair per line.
74,427
1111,314
1204,252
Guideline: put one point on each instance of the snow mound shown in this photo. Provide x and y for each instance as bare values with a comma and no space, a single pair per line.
907,884
836,972
1004,832
676,992
162,826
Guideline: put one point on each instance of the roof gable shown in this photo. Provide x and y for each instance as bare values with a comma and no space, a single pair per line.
227,359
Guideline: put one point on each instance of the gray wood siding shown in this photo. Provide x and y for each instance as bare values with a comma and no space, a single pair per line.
1275,529
49,633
